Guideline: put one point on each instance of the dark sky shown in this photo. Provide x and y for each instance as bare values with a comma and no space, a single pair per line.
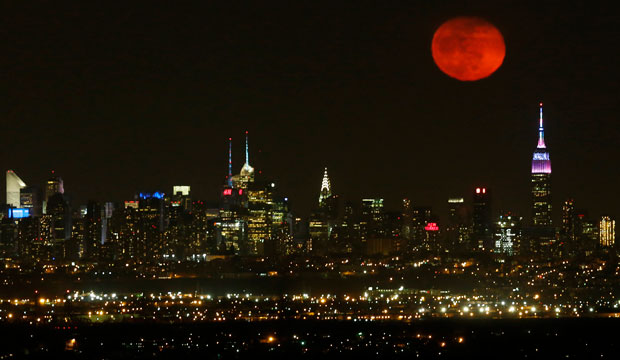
118,98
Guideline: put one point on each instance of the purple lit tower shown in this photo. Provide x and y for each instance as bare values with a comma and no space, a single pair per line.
541,180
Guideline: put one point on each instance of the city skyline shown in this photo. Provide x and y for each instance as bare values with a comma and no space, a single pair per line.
541,166
121,117
309,179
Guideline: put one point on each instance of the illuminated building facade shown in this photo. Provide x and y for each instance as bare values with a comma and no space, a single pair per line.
13,187
325,192
29,199
372,220
431,232
607,231
230,226
260,217
181,197
508,234
246,175
541,180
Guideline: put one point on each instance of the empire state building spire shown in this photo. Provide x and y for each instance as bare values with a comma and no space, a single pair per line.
541,130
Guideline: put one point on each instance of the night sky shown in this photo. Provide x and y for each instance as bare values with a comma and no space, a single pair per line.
120,98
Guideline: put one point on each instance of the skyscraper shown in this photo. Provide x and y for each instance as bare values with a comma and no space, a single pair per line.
458,229
328,202
53,186
13,185
607,229
246,175
568,218
541,180
508,234
482,235
325,189
372,219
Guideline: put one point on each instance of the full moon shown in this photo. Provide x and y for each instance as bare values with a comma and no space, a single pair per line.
468,48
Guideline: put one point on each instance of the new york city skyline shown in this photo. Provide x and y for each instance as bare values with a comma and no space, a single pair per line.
309,180
370,105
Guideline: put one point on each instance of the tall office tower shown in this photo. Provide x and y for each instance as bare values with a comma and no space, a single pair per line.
482,226
29,199
457,231
329,203
282,228
607,229
420,217
59,214
53,186
246,175
259,217
349,231
372,219
587,234
30,242
431,236
325,189
568,219
146,224
93,230
8,238
319,229
508,234
230,229
407,215
232,198
13,186
180,197
541,180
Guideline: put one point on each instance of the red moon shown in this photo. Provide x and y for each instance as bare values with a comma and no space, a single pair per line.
468,48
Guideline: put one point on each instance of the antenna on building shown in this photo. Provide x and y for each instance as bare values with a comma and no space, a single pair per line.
247,152
541,129
229,177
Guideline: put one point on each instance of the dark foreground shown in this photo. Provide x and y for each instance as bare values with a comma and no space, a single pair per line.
425,339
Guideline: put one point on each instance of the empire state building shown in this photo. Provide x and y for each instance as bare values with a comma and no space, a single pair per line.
541,180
